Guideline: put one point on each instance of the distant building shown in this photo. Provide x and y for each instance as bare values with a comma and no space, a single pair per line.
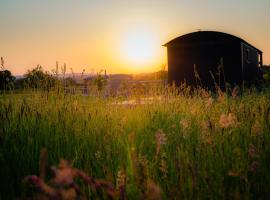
195,58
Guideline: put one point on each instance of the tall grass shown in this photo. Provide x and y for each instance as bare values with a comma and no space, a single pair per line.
195,146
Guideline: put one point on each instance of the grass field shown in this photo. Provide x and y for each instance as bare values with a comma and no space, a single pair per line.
198,146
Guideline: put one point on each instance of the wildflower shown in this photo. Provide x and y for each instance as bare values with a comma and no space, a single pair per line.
204,93
63,186
209,102
121,178
161,139
68,194
153,191
256,129
173,126
205,125
131,137
254,166
141,173
98,155
227,121
41,185
163,167
233,173
238,152
184,124
235,92
252,151
64,174
193,110
75,105
97,184
121,183
221,95
209,140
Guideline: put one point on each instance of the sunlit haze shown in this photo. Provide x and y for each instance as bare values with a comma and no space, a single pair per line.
140,48
116,35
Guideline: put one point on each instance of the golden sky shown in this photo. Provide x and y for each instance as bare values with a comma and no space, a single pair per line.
116,35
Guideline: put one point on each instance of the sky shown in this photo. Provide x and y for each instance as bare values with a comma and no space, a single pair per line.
121,36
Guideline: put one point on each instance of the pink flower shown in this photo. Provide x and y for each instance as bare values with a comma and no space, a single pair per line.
64,175
252,151
209,102
184,124
235,92
161,139
254,166
227,121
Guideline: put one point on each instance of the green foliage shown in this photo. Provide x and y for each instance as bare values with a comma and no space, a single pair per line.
38,79
7,81
100,81
170,146
69,81
266,73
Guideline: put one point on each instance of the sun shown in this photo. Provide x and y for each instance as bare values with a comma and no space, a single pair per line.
139,47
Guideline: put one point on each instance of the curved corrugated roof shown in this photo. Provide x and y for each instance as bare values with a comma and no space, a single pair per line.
205,36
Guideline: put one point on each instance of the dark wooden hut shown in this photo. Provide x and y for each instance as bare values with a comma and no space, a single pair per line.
210,58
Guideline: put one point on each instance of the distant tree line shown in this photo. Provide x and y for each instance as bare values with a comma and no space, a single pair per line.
7,81
37,78
266,73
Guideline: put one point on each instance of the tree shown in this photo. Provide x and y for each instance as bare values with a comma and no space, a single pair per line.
7,81
69,81
100,81
38,79
266,73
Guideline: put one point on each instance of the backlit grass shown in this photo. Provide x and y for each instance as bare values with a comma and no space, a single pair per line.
186,146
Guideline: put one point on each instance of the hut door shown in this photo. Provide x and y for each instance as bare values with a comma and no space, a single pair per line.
250,63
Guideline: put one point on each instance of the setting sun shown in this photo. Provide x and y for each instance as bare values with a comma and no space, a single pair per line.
139,48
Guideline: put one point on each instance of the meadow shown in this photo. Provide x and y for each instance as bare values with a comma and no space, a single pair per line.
174,146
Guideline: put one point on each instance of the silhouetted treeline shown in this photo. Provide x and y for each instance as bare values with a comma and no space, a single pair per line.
266,74
7,81
38,78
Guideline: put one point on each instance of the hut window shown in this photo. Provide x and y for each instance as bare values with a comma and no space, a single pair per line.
247,55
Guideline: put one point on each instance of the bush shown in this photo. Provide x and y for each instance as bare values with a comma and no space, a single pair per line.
7,81
38,79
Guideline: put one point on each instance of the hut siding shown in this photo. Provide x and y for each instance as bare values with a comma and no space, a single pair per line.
250,61
205,50
183,59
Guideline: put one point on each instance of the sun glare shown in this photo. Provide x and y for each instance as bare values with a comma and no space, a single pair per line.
139,48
